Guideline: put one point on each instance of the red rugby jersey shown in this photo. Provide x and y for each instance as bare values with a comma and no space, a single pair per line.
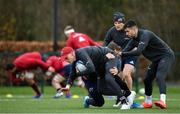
79,40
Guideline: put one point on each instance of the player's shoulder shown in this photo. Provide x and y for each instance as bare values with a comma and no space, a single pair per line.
76,34
53,57
84,49
98,48
145,34
112,29
35,52
145,31
24,55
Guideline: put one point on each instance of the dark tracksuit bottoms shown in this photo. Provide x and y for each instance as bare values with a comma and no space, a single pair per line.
107,85
158,70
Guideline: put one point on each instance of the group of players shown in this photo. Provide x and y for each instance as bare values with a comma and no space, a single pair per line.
104,70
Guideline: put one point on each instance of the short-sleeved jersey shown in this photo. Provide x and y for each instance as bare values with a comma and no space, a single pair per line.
30,60
56,62
79,40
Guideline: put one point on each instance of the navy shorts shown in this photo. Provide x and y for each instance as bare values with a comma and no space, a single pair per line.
66,71
128,60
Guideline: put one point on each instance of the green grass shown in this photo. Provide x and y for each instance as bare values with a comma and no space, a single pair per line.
22,102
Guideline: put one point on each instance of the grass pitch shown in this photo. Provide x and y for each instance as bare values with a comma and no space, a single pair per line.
21,102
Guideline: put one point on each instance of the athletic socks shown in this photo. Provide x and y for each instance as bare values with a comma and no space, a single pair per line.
148,99
58,90
163,97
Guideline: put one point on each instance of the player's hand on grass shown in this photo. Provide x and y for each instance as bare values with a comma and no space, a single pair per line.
64,89
67,88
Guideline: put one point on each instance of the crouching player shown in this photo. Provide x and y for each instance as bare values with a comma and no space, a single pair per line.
97,69
60,70
24,67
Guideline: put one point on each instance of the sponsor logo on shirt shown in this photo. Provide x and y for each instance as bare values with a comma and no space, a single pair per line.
126,38
131,62
141,43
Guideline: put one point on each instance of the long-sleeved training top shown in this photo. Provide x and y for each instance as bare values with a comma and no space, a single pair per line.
149,44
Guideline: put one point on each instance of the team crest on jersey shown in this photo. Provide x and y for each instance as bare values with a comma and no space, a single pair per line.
81,39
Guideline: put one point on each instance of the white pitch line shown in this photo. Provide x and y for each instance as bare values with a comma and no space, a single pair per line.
50,98
90,113
87,113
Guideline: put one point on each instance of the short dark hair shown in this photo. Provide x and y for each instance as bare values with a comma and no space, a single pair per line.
130,23
9,66
112,45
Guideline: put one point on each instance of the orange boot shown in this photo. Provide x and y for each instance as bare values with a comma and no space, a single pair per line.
160,104
147,105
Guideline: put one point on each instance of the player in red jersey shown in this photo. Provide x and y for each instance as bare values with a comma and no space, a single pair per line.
78,40
60,70
24,66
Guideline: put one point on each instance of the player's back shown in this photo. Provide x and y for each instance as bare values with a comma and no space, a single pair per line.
96,53
79,40
35,55
28,61
56,62
156,47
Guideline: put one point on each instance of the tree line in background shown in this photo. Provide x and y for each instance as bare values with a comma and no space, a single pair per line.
32,19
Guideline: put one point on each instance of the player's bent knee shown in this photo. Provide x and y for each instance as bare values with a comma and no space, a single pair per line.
54,81
58,79
29,81
128,69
